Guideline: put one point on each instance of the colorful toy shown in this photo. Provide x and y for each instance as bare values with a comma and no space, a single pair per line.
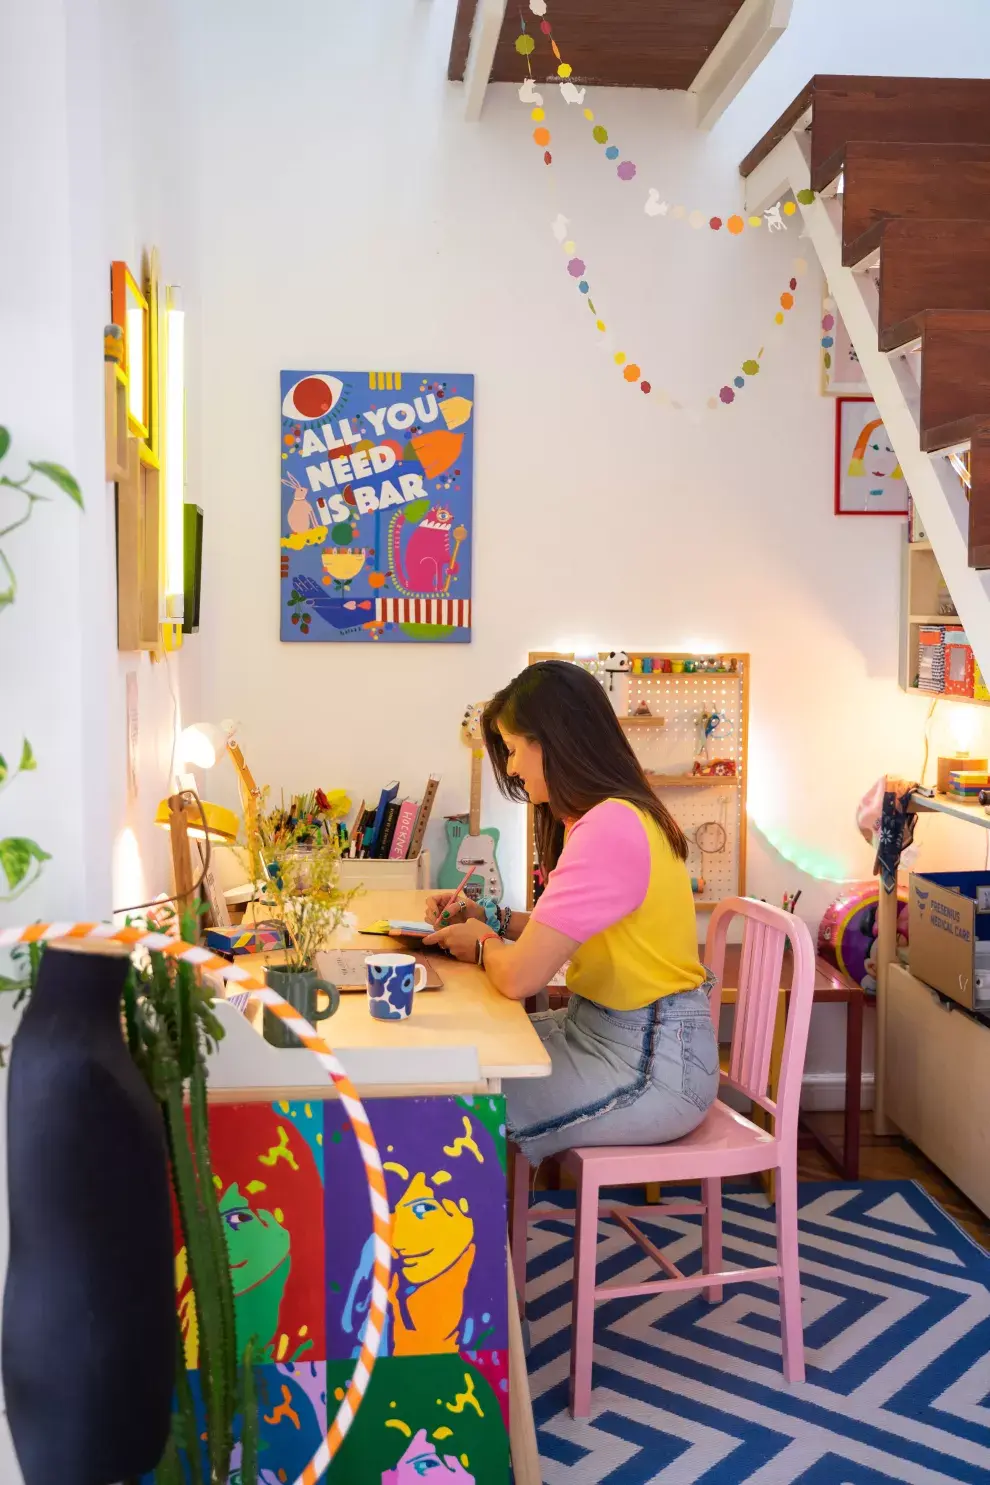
847,934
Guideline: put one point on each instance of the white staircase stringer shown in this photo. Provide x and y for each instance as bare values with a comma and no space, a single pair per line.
935,488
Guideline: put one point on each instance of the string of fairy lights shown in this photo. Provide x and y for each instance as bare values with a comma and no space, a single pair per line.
734,224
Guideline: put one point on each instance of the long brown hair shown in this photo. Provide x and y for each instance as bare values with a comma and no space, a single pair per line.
586,755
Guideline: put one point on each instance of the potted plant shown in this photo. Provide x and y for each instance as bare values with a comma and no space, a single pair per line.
295,856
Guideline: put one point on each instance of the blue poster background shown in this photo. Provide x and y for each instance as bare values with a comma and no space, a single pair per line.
376,474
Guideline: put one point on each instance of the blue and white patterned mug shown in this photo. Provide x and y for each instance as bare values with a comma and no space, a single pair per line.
393,979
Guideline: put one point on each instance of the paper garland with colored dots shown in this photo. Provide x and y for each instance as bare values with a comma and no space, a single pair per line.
733,222
577,269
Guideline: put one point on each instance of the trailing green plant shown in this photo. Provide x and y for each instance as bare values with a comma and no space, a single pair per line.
21,858
171,1027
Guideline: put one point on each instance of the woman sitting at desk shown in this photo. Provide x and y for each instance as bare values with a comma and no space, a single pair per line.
634,1054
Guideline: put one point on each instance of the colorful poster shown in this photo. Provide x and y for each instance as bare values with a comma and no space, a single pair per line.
296,1219
376,471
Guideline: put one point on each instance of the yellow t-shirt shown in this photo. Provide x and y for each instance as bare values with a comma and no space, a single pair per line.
622,893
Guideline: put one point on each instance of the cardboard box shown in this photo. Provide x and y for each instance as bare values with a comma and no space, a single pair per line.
248,938
948,940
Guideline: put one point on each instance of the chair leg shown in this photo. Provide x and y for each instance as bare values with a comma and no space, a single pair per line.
522,1173
791,1326
711,1235
583,1300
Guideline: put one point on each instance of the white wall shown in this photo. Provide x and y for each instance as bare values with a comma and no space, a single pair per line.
352,220
93,166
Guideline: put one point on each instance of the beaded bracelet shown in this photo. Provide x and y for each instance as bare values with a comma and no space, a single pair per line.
505,915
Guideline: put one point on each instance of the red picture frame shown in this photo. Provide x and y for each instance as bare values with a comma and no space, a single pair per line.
861,488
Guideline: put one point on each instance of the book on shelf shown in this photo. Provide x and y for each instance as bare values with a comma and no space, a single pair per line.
393,831
404,825
385,799
383,846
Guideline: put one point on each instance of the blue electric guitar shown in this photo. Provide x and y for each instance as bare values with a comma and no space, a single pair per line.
467,844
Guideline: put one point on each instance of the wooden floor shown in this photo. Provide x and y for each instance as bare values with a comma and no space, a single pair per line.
895,1160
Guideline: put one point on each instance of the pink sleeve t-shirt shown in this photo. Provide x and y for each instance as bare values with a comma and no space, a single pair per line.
602,875
624,895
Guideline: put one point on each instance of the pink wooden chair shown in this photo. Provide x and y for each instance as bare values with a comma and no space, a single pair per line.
725,1144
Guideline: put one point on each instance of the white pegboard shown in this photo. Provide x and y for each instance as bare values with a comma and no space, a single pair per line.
681,700
670,750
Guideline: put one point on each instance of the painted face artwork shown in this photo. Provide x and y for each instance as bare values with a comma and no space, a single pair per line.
443,1177
270,1192
433,1240
421,1461
873,468
258,1247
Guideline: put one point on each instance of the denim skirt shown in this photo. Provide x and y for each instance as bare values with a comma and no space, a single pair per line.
618,1077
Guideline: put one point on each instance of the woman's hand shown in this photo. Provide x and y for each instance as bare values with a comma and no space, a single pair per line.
459,940
457,907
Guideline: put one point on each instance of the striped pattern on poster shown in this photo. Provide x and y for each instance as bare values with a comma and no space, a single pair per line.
453,611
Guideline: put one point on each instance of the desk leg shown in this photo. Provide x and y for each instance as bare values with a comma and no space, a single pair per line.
522,1429
854,1087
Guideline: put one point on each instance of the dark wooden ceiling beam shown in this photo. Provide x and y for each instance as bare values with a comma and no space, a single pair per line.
631,44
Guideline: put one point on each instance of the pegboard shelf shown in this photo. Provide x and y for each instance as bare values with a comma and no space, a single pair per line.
710,809
691,781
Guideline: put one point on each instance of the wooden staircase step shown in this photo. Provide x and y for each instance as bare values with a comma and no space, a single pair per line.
979,496
955,375
884,181
936,110
930,265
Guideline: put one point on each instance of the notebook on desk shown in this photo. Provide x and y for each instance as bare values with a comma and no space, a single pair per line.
345,968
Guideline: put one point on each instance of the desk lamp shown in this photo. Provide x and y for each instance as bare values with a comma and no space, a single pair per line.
186,817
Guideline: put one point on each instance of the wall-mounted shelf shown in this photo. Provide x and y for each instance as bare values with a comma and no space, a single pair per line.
923,592
692,781
641,722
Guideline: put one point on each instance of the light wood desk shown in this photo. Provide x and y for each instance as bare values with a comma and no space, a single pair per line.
467,1013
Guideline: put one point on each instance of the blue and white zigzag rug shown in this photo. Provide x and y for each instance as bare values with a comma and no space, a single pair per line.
896,1301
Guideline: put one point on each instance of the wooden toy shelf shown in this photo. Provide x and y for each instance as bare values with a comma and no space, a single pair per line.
667,743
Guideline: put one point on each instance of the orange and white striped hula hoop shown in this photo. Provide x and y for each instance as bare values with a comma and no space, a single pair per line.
204,961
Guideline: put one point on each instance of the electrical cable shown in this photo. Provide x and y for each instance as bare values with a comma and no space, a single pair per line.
155,902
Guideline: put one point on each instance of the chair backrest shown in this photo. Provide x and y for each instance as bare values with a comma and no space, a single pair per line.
758,989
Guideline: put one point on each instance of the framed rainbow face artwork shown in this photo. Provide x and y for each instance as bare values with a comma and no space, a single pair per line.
868,476
376,473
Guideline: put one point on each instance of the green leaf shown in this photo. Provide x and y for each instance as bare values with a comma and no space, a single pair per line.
3,768
58,476
28,761
4,441
16,855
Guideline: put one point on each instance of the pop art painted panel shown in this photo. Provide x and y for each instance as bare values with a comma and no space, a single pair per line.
436,1417
445,1174
376,474
268,1168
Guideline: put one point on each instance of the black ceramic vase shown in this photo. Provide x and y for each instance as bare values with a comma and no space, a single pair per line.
89,1337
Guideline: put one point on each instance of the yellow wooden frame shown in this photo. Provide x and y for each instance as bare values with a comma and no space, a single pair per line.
126,297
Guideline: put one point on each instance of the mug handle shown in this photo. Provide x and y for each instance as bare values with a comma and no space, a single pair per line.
334,995
420,977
